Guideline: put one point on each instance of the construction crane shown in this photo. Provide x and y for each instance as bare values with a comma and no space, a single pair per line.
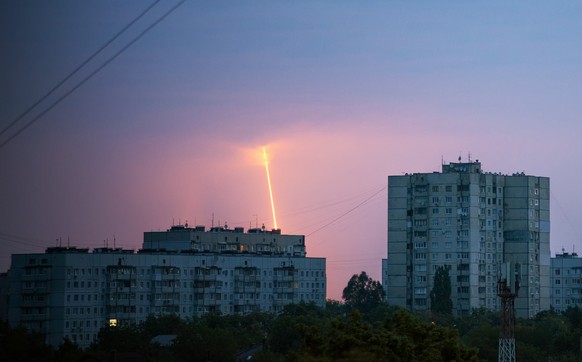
507,294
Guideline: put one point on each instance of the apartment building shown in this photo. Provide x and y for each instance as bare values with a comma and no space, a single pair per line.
72,293
472,222
566,279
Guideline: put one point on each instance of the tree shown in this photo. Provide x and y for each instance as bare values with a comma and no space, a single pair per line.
440,295
362,292
17,344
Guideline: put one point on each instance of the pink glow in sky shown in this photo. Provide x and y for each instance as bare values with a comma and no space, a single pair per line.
342,94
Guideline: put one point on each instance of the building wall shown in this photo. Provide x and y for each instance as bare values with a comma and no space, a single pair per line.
566,281
471,222
4,295
527,240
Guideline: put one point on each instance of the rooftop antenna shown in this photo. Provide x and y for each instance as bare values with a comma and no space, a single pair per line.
212,219
68,242
469,157
113,241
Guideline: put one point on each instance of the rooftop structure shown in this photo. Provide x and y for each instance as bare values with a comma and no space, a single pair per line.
219,239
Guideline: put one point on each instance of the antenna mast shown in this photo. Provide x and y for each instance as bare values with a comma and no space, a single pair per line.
506,351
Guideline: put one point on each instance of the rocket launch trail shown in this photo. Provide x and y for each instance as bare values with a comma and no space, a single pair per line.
269,183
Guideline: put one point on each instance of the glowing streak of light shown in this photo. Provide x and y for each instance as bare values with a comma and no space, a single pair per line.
270,188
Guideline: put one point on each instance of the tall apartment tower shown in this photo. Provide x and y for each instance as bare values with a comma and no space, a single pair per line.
471,221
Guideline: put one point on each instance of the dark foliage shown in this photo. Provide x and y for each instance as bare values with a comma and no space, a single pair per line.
440,295
362,292
305,332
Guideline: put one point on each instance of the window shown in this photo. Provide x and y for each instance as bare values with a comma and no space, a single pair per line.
435,188
435,200
448,199
463,290
462,233
448,188
420,256
420,302
435,211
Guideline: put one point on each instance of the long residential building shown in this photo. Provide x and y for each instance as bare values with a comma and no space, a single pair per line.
72,293
472,222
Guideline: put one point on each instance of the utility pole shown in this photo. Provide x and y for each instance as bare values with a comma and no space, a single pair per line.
506,351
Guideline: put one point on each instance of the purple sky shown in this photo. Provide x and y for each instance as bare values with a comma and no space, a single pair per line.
343,94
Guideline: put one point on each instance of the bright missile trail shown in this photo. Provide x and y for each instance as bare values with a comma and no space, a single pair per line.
270,188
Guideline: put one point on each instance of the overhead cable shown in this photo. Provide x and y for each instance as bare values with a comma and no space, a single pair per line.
84,80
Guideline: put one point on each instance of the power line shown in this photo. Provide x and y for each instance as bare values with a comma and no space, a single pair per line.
347,212
84,80
20,240
565,214
29,109
311,209
329,204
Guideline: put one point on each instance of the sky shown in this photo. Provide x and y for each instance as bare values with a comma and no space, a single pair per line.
341,93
